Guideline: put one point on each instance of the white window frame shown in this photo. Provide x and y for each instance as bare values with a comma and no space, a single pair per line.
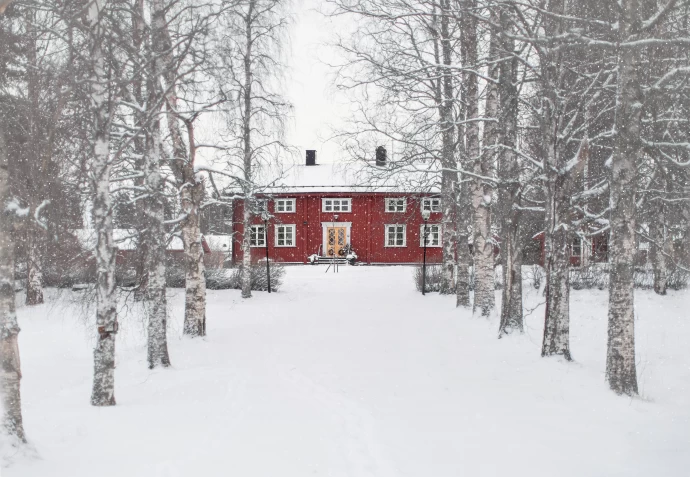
328,205
429,242
285,203
293,232
393,204
404,235
577,240
258,243
434,204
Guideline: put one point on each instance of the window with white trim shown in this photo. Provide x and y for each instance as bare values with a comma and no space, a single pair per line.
432,204
433,235
336,205
396,236
576,247
284,206
285,235
397,204
258,236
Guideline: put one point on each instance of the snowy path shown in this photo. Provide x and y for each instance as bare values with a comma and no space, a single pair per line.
356,375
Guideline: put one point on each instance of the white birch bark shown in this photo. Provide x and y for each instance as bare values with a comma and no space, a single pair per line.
621,372
10,366
155,299
449,175
659,248
468,140
191,193
34,269
103,392
509,174
245,276
556,339
139,149
483,249
34,265
462,278
247,147
154,209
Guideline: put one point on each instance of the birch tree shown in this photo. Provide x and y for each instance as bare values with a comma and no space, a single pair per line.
250,56
103,393
180,38
154,209
404,60
510,186
9,328
482,188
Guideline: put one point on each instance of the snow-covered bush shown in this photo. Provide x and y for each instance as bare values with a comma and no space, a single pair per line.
230,278
597,276
175,277
434,277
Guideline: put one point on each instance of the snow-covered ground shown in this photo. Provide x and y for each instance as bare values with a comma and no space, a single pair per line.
355,374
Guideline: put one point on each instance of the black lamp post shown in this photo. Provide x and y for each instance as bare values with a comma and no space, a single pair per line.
266,216
425,215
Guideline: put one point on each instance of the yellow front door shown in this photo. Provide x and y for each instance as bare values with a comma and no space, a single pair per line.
336,238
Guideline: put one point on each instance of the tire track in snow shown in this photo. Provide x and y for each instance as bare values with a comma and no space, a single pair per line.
361,451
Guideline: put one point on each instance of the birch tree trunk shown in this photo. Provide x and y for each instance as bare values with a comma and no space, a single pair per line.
139,147
34,267
556,340
621,372
154,206
191,195
483,251
449,175
471,99
191,192
103,393
247,147
659,247
462,278
245,276
509,174
11,374
155,301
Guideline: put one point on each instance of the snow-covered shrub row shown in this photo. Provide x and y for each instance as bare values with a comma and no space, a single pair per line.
229,278
434,277
597,276
593,276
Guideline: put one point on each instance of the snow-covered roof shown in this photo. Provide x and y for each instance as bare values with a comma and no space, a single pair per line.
125,239
219,243
357,177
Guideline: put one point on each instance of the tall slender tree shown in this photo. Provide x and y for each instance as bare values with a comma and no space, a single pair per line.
10,371
103,393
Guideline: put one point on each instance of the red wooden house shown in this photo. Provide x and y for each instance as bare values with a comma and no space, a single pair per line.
320,210
581,252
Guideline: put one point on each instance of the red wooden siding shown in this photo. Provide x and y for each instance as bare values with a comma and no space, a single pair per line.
367,234
598,250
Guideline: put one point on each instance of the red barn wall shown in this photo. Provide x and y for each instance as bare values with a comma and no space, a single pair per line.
367,233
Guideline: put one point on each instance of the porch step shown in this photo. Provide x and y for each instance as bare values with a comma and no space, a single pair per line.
339,260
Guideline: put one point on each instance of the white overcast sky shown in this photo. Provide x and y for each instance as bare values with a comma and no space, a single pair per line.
317,105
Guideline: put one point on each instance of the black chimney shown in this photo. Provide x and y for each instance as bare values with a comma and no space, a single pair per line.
380,156
311,157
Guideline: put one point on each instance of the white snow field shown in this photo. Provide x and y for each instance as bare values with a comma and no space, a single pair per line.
356,374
